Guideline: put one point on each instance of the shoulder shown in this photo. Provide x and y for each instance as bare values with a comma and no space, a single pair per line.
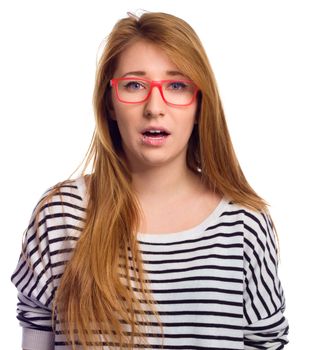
259,237
69,193
249,217
253,220
59,213
67,200
257,226
56,223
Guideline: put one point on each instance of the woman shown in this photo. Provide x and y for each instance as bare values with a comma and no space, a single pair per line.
164,244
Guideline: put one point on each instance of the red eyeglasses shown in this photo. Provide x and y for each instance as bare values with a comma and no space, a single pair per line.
173,92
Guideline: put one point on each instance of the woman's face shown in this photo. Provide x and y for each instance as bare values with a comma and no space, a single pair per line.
143,60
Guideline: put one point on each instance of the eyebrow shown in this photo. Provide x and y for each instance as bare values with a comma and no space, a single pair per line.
143,73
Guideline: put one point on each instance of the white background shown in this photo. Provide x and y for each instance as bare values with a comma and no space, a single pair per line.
265,55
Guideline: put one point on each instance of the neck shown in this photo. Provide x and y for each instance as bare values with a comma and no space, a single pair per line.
160,183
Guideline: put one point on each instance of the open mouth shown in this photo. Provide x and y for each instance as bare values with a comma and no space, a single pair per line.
154,138
155,134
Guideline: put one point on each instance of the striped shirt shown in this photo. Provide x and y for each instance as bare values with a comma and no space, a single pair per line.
216,284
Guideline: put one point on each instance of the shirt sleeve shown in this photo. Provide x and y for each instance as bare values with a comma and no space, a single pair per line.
33,280
264,302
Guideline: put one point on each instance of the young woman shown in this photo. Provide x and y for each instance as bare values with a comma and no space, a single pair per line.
164,244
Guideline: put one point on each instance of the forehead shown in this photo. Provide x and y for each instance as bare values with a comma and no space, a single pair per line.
145,58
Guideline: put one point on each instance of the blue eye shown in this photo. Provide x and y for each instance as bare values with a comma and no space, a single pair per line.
133,85
177,85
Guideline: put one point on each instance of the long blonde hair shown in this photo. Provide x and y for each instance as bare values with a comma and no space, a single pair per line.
91,295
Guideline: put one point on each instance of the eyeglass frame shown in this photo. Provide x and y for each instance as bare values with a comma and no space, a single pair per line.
154,83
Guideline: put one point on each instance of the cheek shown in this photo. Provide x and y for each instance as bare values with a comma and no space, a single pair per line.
119,109
120,113
192,122
184,132
192,119
125,122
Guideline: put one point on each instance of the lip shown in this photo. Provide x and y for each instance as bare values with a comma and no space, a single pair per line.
154,141
154,127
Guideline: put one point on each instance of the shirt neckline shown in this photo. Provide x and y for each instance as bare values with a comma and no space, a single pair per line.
189,233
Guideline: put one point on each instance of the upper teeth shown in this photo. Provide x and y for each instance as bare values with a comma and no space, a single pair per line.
155,131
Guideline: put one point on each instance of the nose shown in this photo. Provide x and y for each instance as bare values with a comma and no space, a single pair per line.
155,105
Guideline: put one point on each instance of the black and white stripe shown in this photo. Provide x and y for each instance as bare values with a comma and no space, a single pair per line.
216,285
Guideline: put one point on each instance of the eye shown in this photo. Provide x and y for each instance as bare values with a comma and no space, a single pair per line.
133,85
177,85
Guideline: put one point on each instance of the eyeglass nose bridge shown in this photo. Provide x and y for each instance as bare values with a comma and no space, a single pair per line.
157,84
